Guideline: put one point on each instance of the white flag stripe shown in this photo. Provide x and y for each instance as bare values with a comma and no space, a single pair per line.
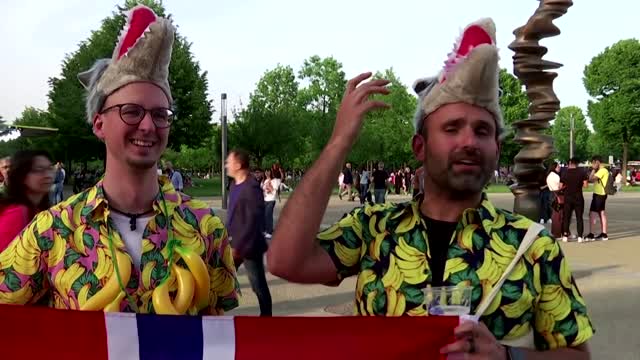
219,338
122,336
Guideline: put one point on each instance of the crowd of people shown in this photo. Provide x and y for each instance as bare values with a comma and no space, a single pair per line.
132,242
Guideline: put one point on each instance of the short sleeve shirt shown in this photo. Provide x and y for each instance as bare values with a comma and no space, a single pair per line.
387,248
63,257
603,176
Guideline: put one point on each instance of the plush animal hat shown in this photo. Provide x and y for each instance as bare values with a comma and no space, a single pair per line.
470,75
142,54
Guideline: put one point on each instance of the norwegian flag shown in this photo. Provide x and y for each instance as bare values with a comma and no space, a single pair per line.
49,334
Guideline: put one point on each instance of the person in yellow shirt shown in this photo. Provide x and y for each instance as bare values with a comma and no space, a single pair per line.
599,177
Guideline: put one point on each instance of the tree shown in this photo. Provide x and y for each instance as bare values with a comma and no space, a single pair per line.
188,84
325,83
561,131
269,126
386,134
515,107
613,80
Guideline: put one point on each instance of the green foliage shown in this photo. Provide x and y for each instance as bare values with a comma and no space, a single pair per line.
515,107
561,130
66,96
613,80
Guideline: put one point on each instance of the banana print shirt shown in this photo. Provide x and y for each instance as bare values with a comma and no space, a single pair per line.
386,247
63,258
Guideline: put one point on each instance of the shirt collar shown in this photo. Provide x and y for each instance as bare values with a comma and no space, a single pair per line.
97,201
485,215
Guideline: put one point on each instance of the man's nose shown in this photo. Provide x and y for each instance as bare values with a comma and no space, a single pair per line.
147,123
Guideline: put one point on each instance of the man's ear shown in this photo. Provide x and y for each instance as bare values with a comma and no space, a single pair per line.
98,124
417,145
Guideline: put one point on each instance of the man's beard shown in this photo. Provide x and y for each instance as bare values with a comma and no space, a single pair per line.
460,184
142,164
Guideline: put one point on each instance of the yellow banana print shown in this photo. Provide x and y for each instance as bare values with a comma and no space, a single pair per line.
200,274
78,241
83,294
489,270
536,278
375,246
331,233
371,297
372,226
487,286
521,223
401,305
364,277
565,274
56,254
77,213
406,225
186,289
584,330
44,222
392,278
539,246
17,297
517,308
111,289
392,299
222,281
555,301
465,241
518,331
518,272
347,256
417,311
453,266
357,228
146,274
8,256
544,322
502,248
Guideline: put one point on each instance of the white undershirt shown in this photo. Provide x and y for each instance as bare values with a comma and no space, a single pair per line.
132,239
553,181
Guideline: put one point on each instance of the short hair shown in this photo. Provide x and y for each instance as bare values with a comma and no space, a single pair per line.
597,158
242,156
574,161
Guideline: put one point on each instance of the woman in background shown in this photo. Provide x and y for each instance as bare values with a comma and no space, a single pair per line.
270,190
27,193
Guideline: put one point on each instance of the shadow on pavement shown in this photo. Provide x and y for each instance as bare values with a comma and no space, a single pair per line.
579,274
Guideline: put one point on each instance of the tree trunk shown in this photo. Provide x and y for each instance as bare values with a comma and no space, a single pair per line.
625,154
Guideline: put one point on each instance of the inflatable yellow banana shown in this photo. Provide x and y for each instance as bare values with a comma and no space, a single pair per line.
112,288
200,275
186,289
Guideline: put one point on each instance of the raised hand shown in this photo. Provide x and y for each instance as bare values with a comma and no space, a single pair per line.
355,105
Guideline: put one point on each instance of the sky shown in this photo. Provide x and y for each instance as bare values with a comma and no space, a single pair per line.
237,41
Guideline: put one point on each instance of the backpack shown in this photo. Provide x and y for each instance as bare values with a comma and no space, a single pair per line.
609,187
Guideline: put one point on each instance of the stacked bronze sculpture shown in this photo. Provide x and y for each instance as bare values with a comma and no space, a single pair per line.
530,68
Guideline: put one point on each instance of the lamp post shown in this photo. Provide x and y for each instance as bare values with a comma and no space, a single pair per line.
571,129
530,68
223,125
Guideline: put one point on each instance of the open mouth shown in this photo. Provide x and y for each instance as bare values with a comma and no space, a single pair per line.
142,143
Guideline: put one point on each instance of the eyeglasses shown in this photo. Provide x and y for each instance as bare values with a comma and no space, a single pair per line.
42,170
132,114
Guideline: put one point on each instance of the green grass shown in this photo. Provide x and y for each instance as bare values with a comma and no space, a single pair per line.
212,187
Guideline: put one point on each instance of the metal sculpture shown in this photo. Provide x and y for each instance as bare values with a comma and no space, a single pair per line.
530,68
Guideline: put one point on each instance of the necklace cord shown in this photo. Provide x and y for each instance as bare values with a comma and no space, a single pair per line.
171,244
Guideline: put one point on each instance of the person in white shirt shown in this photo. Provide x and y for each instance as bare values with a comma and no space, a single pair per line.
270,190
557,199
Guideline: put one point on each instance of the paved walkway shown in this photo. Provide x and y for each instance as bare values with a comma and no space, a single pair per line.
607,273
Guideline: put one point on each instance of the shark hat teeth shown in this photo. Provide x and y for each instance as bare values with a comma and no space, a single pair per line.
139,19
470,75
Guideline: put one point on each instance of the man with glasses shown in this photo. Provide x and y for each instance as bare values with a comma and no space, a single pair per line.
130,243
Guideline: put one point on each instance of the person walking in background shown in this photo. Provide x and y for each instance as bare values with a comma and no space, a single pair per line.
347,182
365,195
545,200
31,176
269,189
418,181
57,190
573,180
175,176
380,183
245,223
599,177
556,200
